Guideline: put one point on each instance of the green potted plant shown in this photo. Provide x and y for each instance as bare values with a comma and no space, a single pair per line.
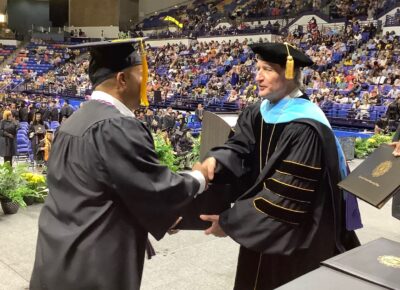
11,183
35,187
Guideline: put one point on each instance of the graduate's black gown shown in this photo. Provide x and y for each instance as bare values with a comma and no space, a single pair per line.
296,220
396,197
107,190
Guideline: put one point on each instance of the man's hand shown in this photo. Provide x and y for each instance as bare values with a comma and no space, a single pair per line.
396,146
215,229
198,166
209,166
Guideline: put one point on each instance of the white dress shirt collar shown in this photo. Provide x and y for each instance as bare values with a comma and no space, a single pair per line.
102,96
296,93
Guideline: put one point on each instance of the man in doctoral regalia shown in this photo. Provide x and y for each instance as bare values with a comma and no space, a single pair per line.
107,190
291,214
396,152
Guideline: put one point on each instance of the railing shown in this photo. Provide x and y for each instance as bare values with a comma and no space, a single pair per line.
51,89
19,87
325,26
392,20
49,29
10,87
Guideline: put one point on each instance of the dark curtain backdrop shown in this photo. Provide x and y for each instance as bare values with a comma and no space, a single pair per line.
59,12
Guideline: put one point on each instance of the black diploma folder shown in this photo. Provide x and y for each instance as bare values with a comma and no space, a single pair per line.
325,278
218,197
213,201
376,179
377,262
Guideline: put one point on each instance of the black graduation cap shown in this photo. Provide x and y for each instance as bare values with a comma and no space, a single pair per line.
282,53
110,56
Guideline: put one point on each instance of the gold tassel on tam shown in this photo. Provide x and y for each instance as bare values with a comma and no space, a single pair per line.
289,72
145,75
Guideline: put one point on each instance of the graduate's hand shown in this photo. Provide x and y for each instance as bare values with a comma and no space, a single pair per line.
396,146
198,166
215,228
209,166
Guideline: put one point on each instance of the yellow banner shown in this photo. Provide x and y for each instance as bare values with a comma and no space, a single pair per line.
173,20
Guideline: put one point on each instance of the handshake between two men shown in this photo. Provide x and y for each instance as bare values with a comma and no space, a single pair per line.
207,168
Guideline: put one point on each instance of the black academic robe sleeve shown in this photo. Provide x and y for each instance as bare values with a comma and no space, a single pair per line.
151,192
231,157
277,220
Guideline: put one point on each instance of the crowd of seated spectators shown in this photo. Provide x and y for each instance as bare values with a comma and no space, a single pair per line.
202,17
278,8
205,72
214,74
232,29
220,75
32,62
70,79
36,63
354,76
195,16
350,9
356,73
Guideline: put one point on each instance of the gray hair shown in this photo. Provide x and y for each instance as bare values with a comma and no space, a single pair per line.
298,78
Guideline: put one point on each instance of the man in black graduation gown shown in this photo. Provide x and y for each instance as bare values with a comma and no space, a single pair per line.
44,110
285,160
66,110
23,112
107,190
168,120
54,114
396,152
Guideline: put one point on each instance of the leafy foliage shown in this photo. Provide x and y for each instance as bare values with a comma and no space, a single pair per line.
364,147
36,186
34,180
165,152
169,158
10,182
194,156
17,182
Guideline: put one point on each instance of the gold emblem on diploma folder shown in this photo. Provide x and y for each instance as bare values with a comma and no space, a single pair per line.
390,261
382,169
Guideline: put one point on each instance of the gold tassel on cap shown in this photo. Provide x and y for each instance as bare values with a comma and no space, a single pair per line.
145,75
289,72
